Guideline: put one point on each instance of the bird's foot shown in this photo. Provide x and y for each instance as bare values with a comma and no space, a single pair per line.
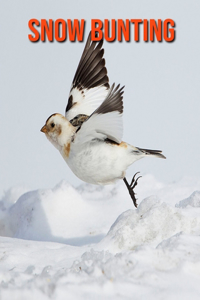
131,187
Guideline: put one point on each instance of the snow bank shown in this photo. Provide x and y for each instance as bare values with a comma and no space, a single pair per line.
150,224
107,249
61,214
193,200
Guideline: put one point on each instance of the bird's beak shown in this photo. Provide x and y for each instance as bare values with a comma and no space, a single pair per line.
44,129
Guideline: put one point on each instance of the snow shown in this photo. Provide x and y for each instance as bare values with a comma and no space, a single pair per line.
91,243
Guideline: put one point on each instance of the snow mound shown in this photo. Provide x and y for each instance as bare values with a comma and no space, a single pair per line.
62,214
49,215
193,200
150,224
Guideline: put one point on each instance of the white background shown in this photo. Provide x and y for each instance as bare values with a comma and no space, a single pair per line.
161,100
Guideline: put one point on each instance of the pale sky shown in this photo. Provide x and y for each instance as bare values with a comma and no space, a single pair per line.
161,99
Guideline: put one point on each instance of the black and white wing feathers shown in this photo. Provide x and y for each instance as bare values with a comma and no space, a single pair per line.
106,120
90,85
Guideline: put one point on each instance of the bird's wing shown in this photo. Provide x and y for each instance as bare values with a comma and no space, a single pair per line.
106,121
90,85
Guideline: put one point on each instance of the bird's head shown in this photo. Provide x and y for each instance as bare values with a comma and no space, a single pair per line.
58,130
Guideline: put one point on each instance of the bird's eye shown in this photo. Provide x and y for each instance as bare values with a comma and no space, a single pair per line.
52,125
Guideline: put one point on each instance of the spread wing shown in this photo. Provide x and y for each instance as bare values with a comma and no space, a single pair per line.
90,84
106,121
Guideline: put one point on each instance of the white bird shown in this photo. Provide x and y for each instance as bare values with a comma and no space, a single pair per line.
89,137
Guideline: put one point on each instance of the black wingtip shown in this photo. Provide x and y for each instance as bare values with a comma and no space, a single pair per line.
88,73
113,101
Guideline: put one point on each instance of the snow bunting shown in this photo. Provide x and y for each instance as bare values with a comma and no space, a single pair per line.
89,137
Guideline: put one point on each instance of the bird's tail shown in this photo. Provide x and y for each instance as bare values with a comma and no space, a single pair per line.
152,152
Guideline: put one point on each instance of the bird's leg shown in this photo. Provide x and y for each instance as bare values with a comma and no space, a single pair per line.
131,187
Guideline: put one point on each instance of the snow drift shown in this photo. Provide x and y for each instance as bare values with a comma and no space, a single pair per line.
53,241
